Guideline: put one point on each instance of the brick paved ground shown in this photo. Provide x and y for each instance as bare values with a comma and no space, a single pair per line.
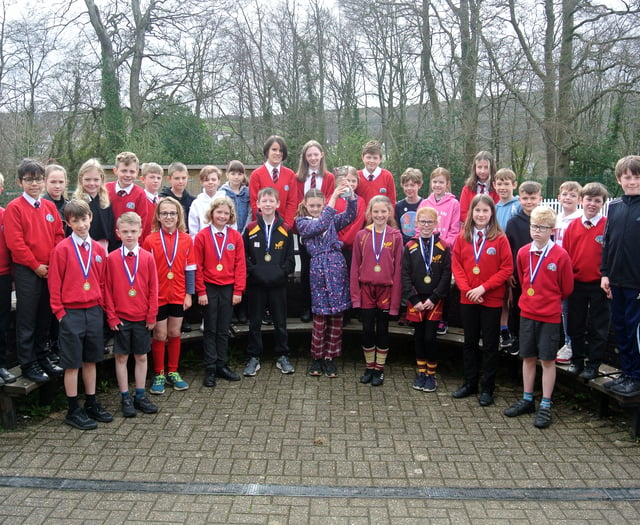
296,430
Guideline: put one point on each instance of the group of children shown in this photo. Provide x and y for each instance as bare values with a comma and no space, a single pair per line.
134,260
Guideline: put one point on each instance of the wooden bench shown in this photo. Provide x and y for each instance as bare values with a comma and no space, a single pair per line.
607,373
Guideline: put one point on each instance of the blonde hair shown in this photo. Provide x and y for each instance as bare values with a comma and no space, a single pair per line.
545,215
103,194
215,204
129,217
155,221
380,199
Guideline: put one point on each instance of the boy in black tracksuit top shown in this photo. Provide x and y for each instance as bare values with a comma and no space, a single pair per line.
426,278
268,245
518,233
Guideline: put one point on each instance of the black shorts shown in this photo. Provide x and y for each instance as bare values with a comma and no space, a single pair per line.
169,310
80,339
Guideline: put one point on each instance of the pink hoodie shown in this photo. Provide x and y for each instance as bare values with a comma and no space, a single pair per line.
448,209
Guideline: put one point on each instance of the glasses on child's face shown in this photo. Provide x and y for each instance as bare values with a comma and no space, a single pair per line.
426,223
32,180
539,228
168,214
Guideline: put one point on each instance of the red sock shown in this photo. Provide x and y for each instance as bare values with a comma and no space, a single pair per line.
174,354
157,352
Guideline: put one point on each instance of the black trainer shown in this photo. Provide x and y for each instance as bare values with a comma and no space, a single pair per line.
80,420
522,406
378,378
128,409
543,418
367,376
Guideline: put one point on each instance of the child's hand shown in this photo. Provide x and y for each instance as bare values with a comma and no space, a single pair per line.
236,299
115,327
151,326
476,294
605,285
419,306
42,271
428,305
511,281
203,300
187,302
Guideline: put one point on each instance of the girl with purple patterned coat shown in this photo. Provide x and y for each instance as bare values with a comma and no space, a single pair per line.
318,225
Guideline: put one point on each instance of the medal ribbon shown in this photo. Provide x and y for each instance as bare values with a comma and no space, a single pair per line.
164,248
130,276
268,230
427,265
377,254
87,268
477,250
534,273
219,250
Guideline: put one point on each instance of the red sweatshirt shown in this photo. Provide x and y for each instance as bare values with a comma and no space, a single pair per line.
496,266
143,306
287,187
584,246
383,184
552,284
135,201
390,261
33,233
5,256
234,264
171,291
67,282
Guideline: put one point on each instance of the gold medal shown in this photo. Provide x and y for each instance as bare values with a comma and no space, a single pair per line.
427,279
219,267
531,292
476,270
377,268
132,292
267,257
86,286
170,275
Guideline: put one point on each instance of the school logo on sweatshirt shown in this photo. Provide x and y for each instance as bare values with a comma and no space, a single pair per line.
491,251
599,239
552,267
49,217
131,205
231,246
98,258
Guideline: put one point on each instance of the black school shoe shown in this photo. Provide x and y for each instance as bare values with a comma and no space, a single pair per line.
485,399
80,420
378,378
53,371
589,373
143,404
35,373
210,378
98,413
465,390
522,406
226,373
128,409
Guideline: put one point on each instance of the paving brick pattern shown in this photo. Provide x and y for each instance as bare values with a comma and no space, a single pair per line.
297,430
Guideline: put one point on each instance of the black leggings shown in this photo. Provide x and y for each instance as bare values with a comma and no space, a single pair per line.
375,327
